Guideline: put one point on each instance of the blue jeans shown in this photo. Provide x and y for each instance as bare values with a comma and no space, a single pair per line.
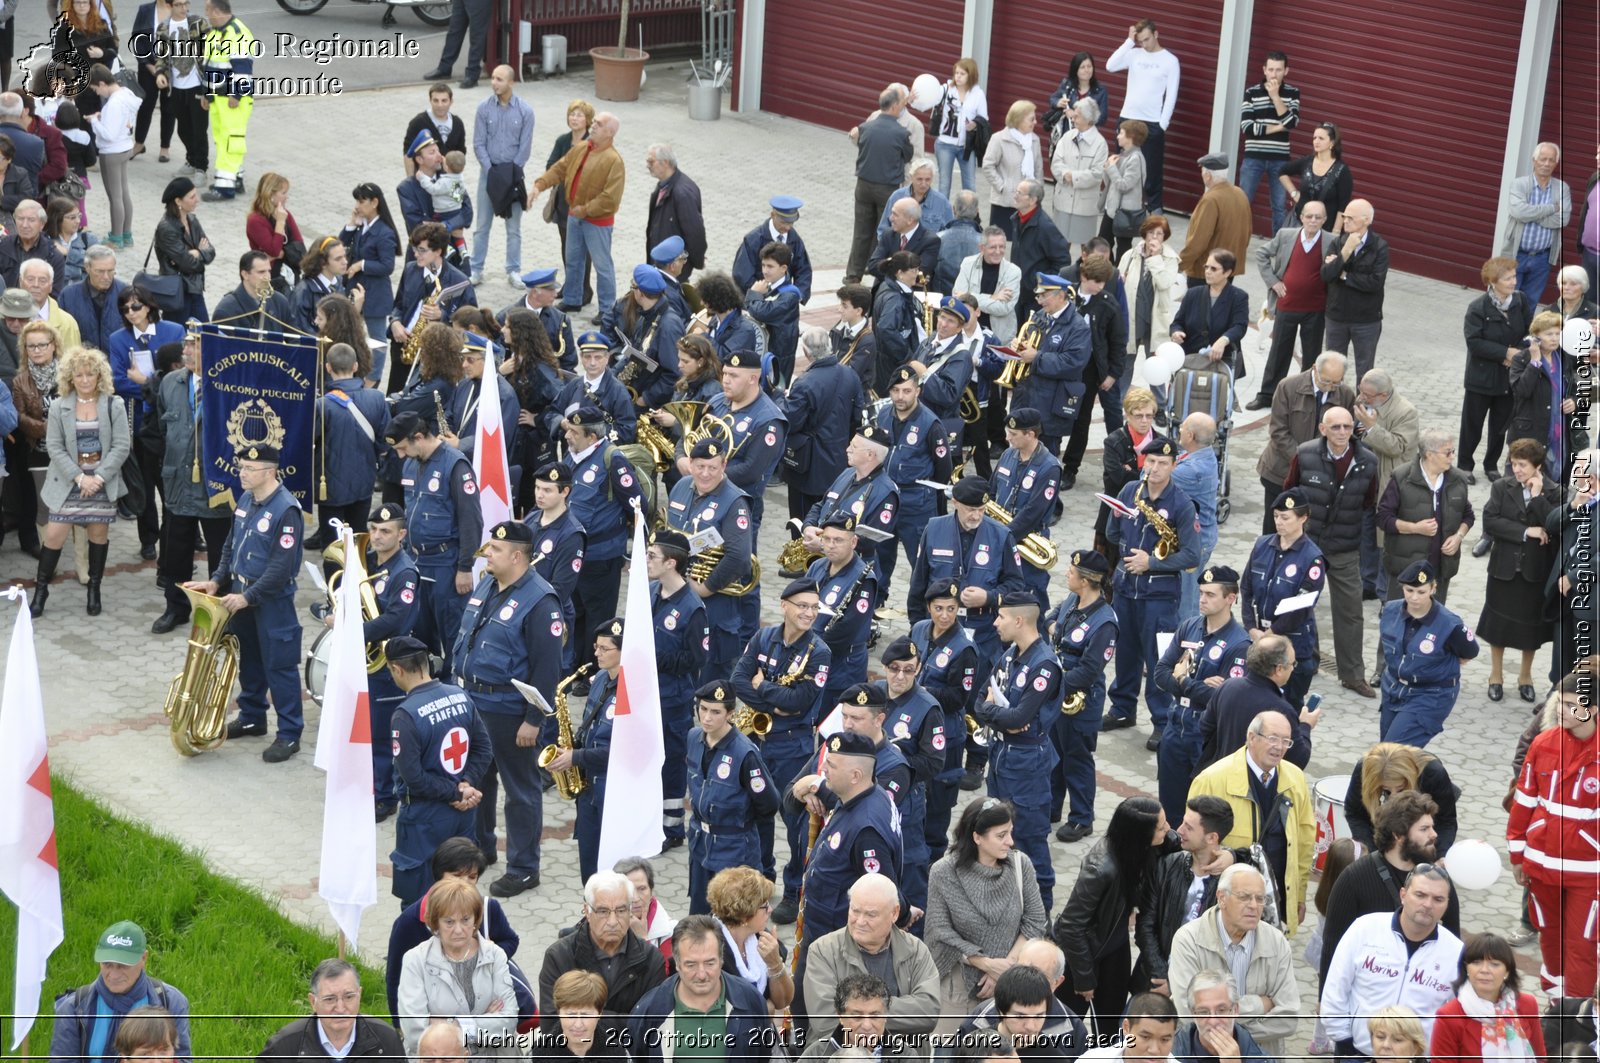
587,242
485,222
949,156
1250,173
1533,273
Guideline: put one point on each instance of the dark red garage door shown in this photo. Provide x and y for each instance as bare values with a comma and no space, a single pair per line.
827,62
1032,43
1572,105
1422,107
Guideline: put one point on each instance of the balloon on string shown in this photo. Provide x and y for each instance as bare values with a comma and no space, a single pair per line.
1160,364
1473,864
925,92
1577,337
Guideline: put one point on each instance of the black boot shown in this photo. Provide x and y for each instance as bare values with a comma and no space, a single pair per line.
97,569
41,584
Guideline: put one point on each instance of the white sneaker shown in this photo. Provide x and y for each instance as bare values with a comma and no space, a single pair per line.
514,279
1522,936
477,280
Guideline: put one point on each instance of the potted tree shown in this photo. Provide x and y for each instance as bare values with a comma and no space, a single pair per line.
618,72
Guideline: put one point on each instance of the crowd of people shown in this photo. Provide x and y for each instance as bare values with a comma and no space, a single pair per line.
944,417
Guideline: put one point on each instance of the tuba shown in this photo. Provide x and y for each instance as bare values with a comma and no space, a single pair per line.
1035,549
356,568
197,700
570,782
752,722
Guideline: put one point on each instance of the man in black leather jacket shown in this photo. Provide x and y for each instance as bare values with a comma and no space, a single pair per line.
1175,893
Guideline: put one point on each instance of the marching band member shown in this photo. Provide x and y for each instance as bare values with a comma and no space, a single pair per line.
604,493
671,257
256,580
592,753
1207,651
541,299
1055,385
783,673
419,294
1023,702
916,725
773,300
595,385
394,585
1084,633
865,490
896,315
705,500
1423,647
512,629
559,541
478,355
778,228
943,362
352,418
683,641
759,428
849,591
918,451
729,791
854,342
949,663
1282,566
1147,586
444,524
647,321
729,329
1024,484
427,395
441,755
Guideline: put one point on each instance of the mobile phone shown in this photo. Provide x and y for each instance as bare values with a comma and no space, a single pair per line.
1313,702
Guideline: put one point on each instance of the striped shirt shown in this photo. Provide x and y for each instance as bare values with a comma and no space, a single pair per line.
1535,236
1258,112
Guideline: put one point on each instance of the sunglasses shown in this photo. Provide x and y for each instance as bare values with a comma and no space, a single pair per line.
135,306
1435,870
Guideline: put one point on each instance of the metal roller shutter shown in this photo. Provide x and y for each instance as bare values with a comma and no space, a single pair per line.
1422,107
826,62
1032,43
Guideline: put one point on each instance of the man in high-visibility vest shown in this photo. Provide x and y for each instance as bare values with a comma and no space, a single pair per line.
227,93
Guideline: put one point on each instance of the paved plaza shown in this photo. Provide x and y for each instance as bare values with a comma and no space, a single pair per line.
106,678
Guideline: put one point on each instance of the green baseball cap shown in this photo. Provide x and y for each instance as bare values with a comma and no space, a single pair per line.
121,943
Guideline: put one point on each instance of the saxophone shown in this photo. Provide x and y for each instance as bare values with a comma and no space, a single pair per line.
570,782
797,668
408,353
1167,535
752,723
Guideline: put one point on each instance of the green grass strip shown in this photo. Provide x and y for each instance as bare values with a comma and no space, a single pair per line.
241,962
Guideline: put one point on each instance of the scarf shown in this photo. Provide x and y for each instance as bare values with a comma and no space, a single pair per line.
1026,142
1502,1038
752,968
1500,304
44,380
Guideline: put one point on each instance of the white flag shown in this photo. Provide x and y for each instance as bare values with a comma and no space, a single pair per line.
630,824
489,457
349,876
28,871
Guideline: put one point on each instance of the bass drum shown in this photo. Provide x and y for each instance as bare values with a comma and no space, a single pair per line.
316,667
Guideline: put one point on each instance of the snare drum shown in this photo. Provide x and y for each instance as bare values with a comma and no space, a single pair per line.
1328,802
316,667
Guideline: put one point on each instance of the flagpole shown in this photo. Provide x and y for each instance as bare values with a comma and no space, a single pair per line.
341,944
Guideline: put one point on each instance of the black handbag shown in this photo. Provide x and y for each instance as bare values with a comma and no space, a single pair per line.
166,290
1125,223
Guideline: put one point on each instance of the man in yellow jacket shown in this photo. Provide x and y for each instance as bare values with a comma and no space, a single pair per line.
1271,804
227,93
593,175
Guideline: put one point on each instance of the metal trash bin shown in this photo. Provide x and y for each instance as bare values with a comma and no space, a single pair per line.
553,57
705,101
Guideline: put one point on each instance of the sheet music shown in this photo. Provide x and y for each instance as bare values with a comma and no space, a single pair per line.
703,540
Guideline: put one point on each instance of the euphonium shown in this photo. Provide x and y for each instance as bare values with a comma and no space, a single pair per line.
1017,371
662,448
197,701
357,566
1035,549
751,722
569,782
701,564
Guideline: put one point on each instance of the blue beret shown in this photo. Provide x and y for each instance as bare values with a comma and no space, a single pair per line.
800,586
1091,561
866,694
1047,282
1219,574
850,744
1418,574
1024,419
1293,500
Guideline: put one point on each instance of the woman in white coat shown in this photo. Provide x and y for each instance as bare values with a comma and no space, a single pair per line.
1150,274
1013,154
1079,167
460,976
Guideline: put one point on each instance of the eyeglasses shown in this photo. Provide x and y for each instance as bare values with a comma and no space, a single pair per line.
1216,1013
1250,898
331,999
814,607
902,669
609,913
45,346
1273,742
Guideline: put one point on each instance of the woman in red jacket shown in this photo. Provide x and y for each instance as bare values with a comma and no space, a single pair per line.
271,229
1552,840
1490,1018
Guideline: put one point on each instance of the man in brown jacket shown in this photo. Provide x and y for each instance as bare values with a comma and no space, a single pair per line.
1220,219
593,175
1297,405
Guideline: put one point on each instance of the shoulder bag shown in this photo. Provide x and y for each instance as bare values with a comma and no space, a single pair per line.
165,289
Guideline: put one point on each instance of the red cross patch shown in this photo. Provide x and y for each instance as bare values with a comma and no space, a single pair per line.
408,595
743,522
468,487
871,865
453,750
286,541
555,628
1040,683
1236,671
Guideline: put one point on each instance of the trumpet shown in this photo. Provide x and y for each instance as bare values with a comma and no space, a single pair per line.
752,722
1035,549
979,733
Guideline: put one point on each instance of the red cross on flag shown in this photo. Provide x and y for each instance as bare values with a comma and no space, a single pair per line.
632,827
349,875
28,872
489,457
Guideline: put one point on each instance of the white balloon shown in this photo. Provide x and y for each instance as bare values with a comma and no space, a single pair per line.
1171,355
1473,864
1577,337
925,92
1155,371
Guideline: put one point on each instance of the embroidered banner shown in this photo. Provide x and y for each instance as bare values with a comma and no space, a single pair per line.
257,388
